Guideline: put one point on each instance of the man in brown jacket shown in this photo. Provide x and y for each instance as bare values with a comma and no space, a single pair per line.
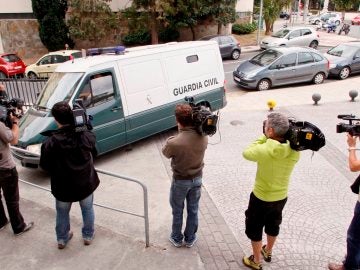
186,150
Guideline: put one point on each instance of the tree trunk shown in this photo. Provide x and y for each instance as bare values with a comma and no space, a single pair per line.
219,28
192,32
154,28
268,28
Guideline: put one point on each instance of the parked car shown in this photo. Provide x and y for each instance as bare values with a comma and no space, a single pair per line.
228,45
281,66
356,20
292,36
11,65
336,17
344,59
47,64
284,15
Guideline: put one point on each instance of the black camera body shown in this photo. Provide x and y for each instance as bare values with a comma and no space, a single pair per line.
204,120
303,135
352,128
82,121
13,106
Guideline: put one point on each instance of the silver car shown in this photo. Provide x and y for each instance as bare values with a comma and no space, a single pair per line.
281,66
335,17
292,36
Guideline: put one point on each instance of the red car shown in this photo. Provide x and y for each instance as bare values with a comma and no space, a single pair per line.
356,20
11,65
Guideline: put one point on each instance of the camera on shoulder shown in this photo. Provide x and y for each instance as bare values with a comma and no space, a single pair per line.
204,121
352,128
303,135
13,106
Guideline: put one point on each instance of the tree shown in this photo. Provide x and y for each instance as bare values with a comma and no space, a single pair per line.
343,5
271,10
53,31
223,11
91,19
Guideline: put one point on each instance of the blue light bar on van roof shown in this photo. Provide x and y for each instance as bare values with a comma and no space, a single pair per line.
104,50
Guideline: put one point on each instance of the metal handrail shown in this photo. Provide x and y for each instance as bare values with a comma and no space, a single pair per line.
146,211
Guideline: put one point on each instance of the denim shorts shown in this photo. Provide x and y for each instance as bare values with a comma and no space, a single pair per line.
262,214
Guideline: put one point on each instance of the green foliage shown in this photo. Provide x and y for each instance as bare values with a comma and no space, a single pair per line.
91,20
169,34
141,37
345,4
53,31
244,28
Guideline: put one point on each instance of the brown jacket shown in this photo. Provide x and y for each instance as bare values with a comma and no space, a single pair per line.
186,150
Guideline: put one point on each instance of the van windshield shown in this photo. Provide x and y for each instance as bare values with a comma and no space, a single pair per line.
59,87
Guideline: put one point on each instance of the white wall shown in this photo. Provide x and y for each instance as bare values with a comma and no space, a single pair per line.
15,6
115,5
244,5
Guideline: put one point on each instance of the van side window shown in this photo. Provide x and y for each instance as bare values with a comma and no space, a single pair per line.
192,58
102,87
97,90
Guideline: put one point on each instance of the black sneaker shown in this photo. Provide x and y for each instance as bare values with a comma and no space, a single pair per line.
62,244
249,262
3,226
27,228
191,244
266,254
175,243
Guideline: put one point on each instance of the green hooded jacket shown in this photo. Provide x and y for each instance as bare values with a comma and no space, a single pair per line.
275,162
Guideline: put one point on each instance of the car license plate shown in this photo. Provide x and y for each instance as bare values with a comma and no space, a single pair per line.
237,79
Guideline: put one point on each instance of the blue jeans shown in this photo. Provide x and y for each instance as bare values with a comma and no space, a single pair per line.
63,219
352,260
181,190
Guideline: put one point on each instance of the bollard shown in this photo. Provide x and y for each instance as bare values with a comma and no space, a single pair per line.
353,94
271,104
316,97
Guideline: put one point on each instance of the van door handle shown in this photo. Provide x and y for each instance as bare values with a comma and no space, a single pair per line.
115,109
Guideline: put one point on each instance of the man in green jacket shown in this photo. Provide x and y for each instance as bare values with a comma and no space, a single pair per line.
275,162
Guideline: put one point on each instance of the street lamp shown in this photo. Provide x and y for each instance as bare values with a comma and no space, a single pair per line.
259,22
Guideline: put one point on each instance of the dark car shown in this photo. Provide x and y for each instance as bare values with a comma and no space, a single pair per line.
344,59
281,66
228,45
11,65
284,15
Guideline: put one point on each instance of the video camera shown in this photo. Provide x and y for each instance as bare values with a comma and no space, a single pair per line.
82,121
352,128
204,120
303,135
13,106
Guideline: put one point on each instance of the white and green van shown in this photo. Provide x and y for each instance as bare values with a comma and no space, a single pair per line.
130,96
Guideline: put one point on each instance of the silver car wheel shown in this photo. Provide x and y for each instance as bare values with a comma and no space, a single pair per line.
344,73
313,44
263,85
235,55
319,78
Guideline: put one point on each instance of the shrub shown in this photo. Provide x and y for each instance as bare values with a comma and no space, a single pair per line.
169,34
244,28
141,37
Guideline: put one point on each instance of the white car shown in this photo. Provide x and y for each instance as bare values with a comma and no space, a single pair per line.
292,36
335,17
47,64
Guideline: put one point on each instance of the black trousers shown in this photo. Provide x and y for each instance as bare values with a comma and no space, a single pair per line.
9,186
